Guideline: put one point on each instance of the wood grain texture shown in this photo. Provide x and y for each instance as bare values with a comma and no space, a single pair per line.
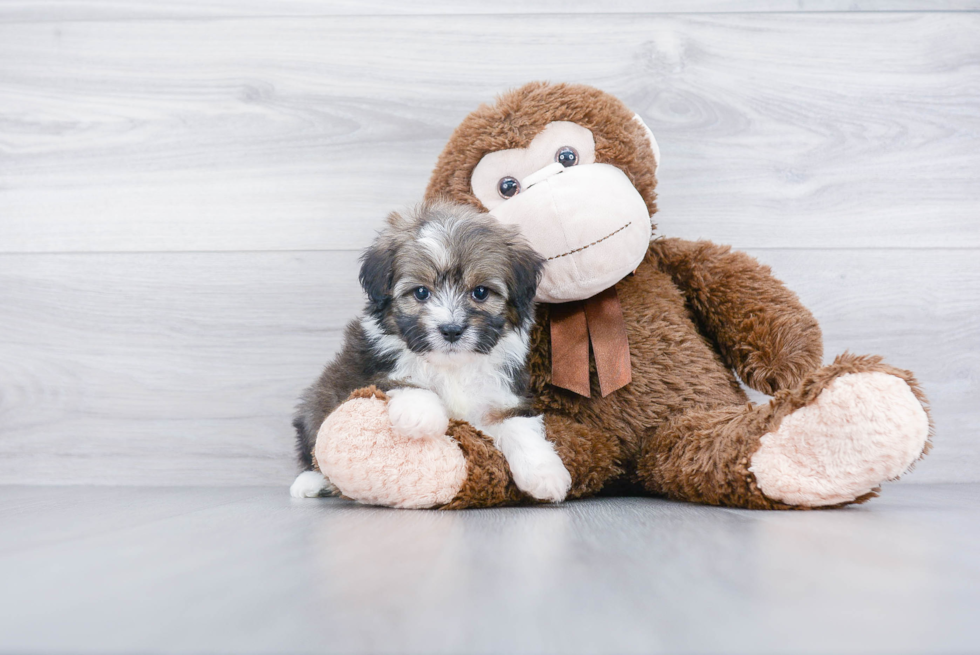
184,186
89,10
249,570
165,369
777,130
184,368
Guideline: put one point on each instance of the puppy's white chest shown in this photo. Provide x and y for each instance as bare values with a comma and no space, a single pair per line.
464,402
469,392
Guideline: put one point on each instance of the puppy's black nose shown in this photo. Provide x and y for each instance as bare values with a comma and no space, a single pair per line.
451,332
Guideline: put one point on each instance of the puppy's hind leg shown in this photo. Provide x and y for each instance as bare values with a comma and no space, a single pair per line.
309,416
311,484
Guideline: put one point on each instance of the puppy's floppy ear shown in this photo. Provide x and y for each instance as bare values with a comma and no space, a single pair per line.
527,267
378,273
396,221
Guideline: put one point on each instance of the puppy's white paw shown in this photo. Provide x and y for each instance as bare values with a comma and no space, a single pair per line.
310,484
537,469
542,475
417,413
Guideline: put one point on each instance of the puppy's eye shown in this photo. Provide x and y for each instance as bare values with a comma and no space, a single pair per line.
567,156
421,294
480,294
508,187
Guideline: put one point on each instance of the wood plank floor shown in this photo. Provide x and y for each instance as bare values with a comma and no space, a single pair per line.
249,570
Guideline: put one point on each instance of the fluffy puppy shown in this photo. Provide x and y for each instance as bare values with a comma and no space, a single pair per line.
445,335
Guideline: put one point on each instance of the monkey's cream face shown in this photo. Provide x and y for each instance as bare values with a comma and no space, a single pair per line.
586,219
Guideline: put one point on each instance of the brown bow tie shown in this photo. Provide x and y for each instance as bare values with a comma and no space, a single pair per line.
573,324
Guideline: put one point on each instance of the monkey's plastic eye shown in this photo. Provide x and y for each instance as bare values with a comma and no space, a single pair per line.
421,294
508,187
480,294
567,156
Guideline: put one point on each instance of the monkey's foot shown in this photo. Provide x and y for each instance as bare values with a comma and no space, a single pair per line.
862,429
367,461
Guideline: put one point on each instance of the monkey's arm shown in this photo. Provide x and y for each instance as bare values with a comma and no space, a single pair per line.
759,326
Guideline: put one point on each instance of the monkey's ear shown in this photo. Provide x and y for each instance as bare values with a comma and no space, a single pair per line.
652,139
527,266
377,274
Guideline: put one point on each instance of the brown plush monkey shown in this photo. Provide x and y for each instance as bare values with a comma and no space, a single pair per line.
657,408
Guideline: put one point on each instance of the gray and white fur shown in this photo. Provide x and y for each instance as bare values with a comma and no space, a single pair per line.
445,334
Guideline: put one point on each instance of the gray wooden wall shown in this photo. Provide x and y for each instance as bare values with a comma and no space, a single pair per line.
184,187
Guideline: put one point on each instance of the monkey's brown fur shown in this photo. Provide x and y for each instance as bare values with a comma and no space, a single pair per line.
697,314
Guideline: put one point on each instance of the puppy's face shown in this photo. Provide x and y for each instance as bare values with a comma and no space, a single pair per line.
448,279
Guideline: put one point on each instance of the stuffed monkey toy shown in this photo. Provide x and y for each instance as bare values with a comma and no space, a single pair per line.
654,406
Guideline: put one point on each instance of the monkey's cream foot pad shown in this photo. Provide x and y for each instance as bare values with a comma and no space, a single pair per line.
369,462
863,429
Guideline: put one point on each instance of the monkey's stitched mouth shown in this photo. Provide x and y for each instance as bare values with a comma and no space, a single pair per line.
572,252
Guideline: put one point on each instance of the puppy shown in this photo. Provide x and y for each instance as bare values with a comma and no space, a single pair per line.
445,335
